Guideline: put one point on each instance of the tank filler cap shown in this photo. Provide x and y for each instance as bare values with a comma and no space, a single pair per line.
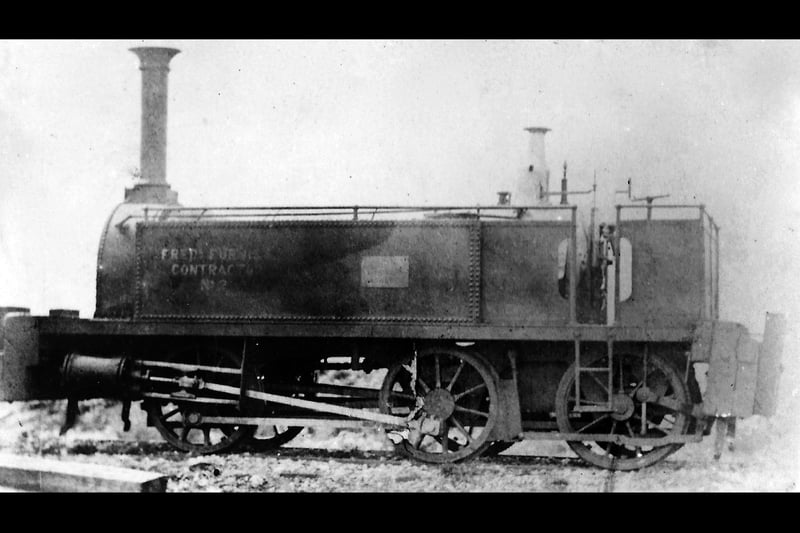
503,198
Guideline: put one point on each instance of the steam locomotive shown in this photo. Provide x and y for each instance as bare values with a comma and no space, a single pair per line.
488,323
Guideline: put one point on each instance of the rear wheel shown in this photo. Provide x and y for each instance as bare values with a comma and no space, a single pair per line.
647,396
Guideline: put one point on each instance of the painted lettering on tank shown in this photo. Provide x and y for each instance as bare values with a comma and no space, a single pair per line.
211,265
304,269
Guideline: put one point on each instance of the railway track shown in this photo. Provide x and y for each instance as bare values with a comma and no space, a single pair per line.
360,456
86,447
316,469
302,469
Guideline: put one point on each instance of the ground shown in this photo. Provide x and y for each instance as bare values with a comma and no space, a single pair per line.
766,458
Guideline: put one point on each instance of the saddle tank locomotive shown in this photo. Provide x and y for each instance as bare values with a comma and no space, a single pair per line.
488,324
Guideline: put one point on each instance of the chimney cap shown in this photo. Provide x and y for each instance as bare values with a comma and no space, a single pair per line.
154,56
537,129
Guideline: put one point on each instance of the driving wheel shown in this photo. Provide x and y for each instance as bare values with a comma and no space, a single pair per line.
451,396
181,419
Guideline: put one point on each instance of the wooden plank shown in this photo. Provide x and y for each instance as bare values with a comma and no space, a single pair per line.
49,475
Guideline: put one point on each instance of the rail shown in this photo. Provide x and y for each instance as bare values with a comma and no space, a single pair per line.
353,212
703,214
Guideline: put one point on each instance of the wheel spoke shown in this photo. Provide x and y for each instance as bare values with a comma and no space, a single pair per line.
185,433
669,403
461,428
171,414
643,429
418,444
437,371
455,376
207,436
425,388
592,423
588,402
644,366
471,411
652,426
605,386
402,395
474,389
643,381
444,436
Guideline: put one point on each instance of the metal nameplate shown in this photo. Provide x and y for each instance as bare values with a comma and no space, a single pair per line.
385,271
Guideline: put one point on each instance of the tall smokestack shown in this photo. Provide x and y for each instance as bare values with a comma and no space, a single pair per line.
153,186
534,181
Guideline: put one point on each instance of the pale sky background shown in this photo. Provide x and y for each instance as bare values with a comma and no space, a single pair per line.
401,122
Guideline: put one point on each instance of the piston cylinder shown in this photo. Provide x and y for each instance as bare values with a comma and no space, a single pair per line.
87,376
